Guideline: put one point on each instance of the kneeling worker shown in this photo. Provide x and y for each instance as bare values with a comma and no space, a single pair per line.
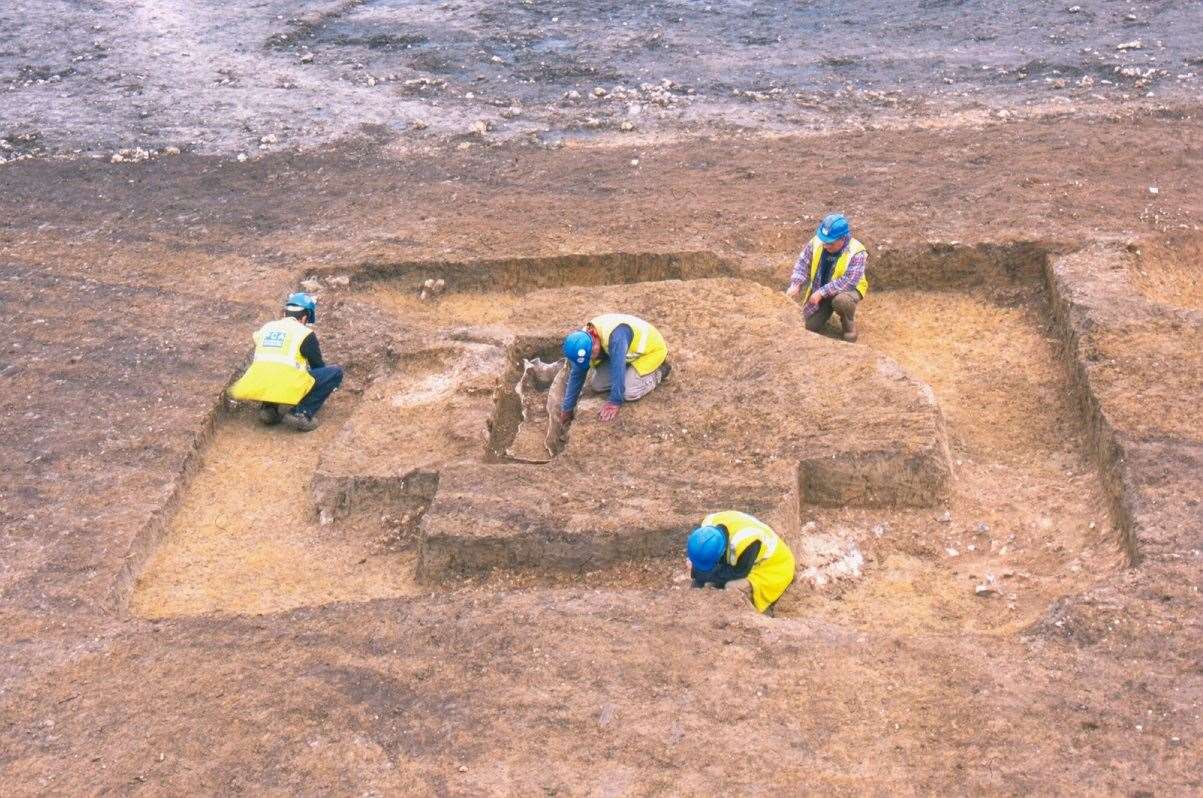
733,550
832,269
618,353
288,370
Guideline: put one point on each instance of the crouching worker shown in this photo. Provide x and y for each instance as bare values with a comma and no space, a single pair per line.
734,551
830,273
615,353
288,370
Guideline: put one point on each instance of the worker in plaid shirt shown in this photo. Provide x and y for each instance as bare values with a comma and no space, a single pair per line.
831,269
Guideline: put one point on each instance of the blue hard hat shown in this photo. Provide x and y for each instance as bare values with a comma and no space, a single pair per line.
578,348
833,227
705,547
304,302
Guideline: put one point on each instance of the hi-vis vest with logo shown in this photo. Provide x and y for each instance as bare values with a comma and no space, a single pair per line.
648,349
279,372
841,265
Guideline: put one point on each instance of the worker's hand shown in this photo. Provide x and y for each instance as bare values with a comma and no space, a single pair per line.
793,290
609,412
566,416
814,299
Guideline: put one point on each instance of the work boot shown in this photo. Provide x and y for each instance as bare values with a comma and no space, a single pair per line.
849,330
269,414
666,368
300,422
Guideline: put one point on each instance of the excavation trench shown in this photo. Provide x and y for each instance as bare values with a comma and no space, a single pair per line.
1024,513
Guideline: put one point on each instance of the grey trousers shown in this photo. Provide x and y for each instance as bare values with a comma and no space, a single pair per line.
634,386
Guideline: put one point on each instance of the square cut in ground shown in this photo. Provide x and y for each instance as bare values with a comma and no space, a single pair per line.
745,420
246,540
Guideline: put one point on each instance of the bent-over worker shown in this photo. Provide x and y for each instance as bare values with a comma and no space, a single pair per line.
288,370
832,268
735,551
616,353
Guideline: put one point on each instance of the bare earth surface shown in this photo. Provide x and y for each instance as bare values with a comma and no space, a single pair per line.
192,603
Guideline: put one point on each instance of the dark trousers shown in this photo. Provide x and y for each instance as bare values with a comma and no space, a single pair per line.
842,304
326,379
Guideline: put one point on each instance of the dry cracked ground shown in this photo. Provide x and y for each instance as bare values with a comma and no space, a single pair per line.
994,495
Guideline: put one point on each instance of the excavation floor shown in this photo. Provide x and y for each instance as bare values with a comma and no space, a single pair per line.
1027,506
246,538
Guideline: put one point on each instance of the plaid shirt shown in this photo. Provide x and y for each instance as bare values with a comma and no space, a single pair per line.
801,276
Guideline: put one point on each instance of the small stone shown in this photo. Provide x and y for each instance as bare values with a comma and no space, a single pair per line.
946,517
480,127
573,95
951,552
171,150
371,81
270,138
418,124
878,530
1153,190
463,768
342,280
982,528
634,162
117,158
311,284
306,58
242,156
985,590
599,92
627,127
429,284
1074,9
440,284
1135,44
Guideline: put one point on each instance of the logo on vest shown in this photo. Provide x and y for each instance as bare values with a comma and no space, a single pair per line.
274,339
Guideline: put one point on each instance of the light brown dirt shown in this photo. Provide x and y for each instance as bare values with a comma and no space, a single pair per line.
525,683
1027,506
247,539
1171,271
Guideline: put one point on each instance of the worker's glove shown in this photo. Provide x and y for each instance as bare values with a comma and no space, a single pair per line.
566,416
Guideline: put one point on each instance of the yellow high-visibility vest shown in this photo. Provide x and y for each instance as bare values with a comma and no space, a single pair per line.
773,570
841,265
279,373
648,349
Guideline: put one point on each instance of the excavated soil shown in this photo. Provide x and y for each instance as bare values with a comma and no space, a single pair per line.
192,604
1027,512
1024,519
247,538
